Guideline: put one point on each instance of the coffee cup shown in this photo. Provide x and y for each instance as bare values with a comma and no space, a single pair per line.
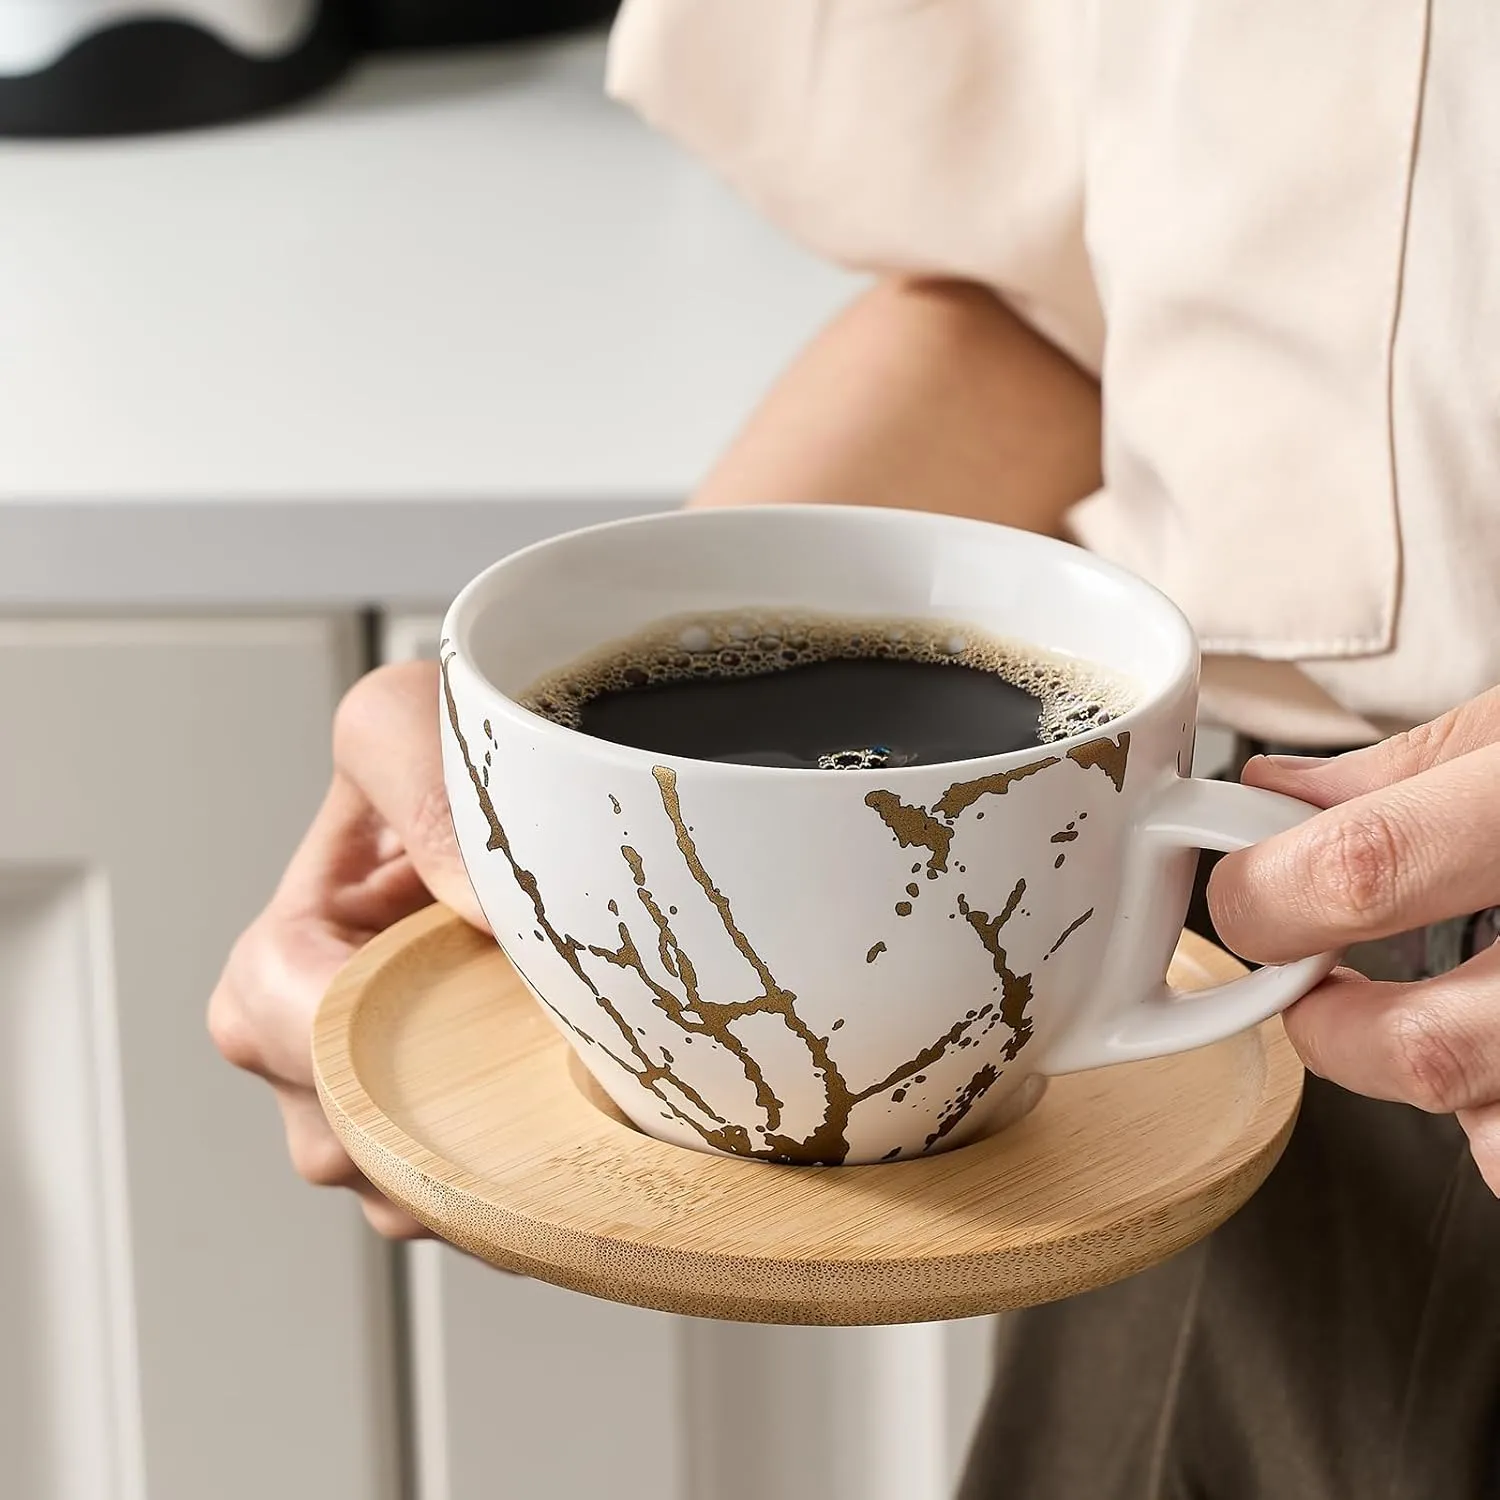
851,966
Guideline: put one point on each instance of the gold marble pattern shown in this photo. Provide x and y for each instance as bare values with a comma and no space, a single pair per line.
692,1014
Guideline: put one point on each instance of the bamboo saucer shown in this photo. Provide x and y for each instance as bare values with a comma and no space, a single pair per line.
457,1097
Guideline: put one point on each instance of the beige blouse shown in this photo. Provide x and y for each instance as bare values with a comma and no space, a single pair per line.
1273,230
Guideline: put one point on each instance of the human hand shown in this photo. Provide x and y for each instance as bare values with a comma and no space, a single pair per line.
1410,836
380,847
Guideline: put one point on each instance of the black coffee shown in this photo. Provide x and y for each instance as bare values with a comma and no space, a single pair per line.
826,692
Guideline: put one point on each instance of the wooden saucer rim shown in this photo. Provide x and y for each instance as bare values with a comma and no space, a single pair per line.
908,1285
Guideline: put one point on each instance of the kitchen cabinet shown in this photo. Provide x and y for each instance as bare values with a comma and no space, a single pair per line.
179,1318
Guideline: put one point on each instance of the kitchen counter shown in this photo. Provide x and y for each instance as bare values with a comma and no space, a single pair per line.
352,353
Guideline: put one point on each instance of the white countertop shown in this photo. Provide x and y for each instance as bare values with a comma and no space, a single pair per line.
350,353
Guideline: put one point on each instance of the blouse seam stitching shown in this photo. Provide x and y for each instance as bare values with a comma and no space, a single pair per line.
1414,144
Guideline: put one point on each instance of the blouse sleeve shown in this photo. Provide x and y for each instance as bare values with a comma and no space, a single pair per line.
924,137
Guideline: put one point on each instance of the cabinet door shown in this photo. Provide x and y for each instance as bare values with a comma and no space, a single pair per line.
521,1390
180,1319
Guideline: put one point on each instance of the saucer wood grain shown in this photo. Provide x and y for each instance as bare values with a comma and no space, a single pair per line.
458,1099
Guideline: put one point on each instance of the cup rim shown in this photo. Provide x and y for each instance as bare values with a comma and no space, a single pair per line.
459,618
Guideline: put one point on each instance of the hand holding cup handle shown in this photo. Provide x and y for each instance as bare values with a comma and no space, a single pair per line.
1137,1014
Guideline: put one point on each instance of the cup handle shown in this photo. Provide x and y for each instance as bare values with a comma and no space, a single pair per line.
1137,1014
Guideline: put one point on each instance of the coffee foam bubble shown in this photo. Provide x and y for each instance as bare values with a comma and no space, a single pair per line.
1075,696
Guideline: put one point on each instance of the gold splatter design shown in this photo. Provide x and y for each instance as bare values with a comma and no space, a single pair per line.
929,1054
1108,755
968,1096
964,794
828,1143
691,1014
913,827
614,802
903,908
1015,989
1068,932
650,1074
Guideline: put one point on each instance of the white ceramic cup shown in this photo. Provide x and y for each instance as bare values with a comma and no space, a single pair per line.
854,965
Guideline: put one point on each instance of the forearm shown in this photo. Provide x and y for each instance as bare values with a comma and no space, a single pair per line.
924,395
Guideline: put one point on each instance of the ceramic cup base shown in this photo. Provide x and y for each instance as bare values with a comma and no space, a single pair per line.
1011,1110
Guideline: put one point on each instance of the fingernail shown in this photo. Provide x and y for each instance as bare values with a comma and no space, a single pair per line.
1294,762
